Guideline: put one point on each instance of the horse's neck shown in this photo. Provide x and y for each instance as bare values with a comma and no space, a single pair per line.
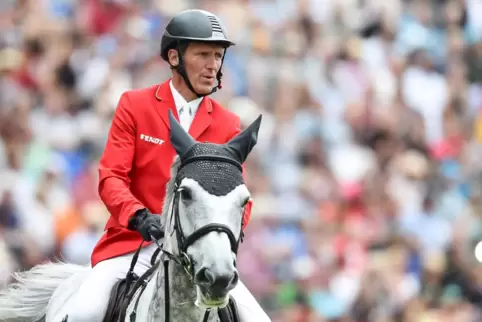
182,296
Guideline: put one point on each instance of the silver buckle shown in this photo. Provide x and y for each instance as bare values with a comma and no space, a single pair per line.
186,263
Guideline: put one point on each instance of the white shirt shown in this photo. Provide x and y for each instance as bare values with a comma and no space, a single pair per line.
185,110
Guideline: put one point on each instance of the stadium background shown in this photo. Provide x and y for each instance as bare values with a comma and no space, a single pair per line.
367,177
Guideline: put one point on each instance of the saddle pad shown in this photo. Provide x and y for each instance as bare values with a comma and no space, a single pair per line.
119,301
116,301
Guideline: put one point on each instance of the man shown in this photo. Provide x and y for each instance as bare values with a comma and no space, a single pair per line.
135,167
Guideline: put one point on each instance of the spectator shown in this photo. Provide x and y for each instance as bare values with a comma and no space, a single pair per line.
366,179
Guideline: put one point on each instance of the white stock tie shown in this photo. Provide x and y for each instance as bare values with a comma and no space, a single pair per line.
185,117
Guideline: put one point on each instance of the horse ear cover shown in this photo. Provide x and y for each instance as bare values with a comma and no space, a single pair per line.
240,145
244,142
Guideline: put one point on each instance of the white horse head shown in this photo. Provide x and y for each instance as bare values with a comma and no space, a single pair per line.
203,212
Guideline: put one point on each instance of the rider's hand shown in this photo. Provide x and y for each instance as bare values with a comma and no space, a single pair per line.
147,224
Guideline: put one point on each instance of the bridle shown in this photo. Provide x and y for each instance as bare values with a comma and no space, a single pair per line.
183,241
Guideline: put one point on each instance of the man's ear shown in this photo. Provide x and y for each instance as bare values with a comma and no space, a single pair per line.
173,57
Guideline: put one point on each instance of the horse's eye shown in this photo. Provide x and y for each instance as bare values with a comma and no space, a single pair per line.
186,194
245,202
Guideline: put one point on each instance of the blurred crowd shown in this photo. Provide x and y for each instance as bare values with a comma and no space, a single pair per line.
367,180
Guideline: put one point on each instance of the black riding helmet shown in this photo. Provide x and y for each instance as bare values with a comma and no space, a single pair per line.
193,25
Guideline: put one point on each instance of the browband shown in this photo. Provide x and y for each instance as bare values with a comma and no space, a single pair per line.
211,158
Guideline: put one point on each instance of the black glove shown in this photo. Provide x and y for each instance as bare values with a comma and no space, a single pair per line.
147,224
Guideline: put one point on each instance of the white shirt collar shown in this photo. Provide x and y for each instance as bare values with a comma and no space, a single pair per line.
180,102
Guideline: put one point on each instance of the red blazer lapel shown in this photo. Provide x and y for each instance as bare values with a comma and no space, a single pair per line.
166,102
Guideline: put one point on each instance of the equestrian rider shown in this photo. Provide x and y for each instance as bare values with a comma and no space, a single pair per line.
135,166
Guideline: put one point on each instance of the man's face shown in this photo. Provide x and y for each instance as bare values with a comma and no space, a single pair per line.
202,62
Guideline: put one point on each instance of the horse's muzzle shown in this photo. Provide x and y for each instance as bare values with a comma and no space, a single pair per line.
216,285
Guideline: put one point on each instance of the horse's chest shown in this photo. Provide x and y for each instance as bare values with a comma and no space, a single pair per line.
151,305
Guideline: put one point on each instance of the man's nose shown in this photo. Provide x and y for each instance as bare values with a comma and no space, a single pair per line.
212,63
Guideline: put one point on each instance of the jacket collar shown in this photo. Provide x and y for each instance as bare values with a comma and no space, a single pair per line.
166,102
180,102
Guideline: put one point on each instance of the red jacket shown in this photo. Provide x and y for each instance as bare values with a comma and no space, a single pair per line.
135,166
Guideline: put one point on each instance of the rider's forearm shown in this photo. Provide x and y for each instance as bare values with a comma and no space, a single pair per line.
116,162
120,202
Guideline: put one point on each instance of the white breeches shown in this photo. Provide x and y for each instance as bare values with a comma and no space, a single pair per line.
89,304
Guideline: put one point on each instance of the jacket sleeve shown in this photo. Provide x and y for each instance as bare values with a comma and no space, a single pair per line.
116,163
235,130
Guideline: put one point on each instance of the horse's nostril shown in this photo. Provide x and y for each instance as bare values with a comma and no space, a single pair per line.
206,277
226,281
235,279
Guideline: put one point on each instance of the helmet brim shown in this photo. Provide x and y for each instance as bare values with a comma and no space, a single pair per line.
219,40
